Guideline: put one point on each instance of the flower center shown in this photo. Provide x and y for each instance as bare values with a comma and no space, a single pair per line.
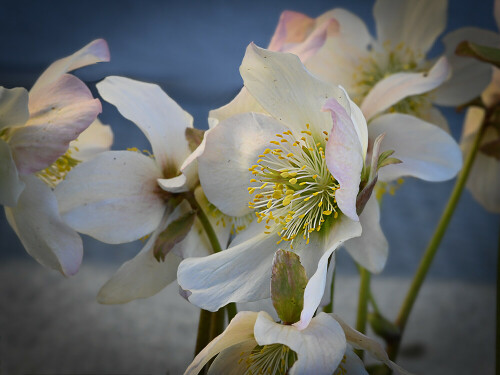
58,170
295,192
269,359
379,65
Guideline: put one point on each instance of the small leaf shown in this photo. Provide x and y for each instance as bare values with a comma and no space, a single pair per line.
383,327
384,155
483,53
389,161
194,137
492,149
364,195
175,232
288,282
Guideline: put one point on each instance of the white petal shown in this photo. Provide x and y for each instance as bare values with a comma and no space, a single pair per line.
95,139
426,151
231,361
435,117
13,107
41,230
415,23
320,347
144,276
243,102
351,364
343,230
94,52
113,197
231,149
344,158
239,274
11,185
360,341
239,330
398,86
470,76
282,85
159,117
371,249
174,185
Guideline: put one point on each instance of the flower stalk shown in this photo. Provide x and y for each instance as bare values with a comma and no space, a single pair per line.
430,252
364,293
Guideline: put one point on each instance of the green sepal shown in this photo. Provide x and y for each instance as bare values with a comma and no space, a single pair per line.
483,53
194,137
175,232
288,282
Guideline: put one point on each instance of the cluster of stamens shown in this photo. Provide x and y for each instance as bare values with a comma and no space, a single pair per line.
294,192
236,224
58,170
269,359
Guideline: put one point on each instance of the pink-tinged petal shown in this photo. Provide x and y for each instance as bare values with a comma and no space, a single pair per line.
92,141
285,89
469,76
319,347
231,149
426,151
143,276
94,52
371,248
13,107
342,231
41,230
344,158
239,330
417,24
240,273
159,117
114,197
293,27
398,86
315,40
56,118
11,185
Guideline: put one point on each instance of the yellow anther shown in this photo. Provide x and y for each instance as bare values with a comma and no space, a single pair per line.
307,242
325,132
317,144
251,190
258,161
269,203
306,132
326,213
303,167
289,155
289,191
336,215
284,174
303,183
253,180
306,199
287,200
266,151
283,140
314,177
316,193
293,174
320,204
307,126
279,135
264,185
293,181
275,143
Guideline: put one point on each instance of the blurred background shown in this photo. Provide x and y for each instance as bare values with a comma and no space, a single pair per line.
53,325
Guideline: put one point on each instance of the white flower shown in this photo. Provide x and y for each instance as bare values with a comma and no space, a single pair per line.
121,196
253,342
35,134
302,166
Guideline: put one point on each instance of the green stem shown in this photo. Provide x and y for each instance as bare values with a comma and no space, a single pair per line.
373,302
329,308
231,312
430,252
203,337
364,292
498,310
217,323
209,230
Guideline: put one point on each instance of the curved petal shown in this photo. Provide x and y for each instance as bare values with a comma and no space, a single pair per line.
174,185
229,361
344,158
320,347
239,330
342,231
360,341
240,273
94,52
470,76
426,151
11,186
371,248
231,149
13,107
398,86
114,197
144,276
159,117
282,85
351,364
293,27
415,23
57,117
95,139
41,230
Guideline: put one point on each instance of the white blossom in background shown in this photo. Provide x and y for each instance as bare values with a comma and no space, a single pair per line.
254,343
36,154
121,196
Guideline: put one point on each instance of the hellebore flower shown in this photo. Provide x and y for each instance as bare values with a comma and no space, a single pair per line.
121,196
35,134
